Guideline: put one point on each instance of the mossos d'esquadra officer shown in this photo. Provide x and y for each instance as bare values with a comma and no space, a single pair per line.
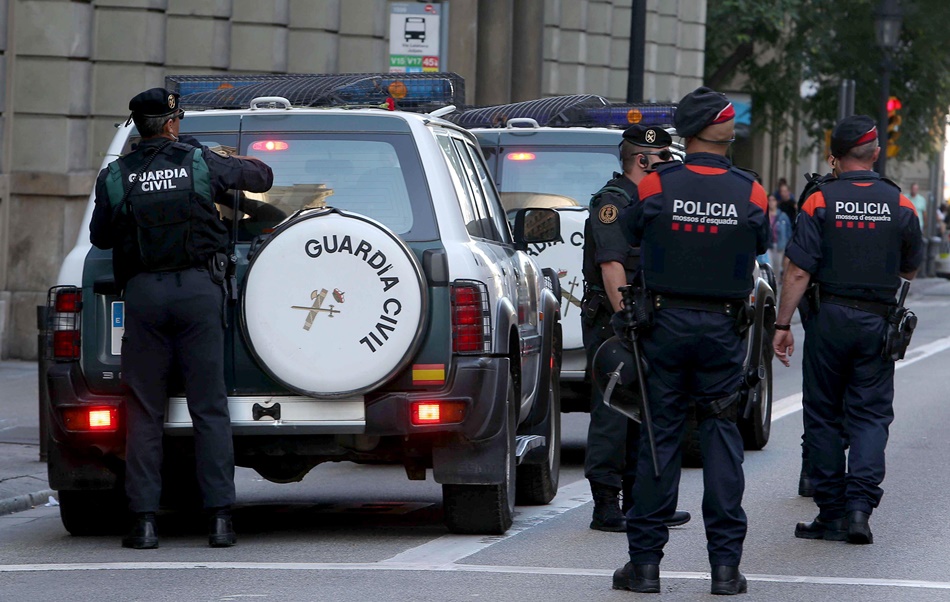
856,236
155,209
700,225
610,263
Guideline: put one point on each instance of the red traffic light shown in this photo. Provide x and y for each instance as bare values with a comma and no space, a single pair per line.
893,104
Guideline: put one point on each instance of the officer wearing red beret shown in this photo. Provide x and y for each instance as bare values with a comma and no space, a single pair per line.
856,236
700,225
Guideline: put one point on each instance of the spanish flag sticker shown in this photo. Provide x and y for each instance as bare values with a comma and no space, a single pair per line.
428,374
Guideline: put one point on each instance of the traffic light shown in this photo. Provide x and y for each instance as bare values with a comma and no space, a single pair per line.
893,125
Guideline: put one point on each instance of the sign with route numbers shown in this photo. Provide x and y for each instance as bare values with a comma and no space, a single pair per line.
414,37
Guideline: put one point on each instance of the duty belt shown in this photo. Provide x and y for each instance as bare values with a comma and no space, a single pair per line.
727,307
878,308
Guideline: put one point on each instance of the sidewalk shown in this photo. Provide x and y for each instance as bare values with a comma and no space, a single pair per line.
23,481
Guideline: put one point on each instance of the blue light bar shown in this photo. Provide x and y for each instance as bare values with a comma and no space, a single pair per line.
406,91
625,115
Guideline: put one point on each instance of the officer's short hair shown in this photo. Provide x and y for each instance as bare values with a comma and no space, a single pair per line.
864,152
149,127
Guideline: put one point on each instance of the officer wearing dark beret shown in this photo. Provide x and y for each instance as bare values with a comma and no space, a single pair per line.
856,237
700,225
609,263
155,209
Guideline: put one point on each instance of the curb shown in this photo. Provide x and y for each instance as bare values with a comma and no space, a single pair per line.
26,501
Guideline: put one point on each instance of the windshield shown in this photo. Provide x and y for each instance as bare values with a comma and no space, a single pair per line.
533,177
376,175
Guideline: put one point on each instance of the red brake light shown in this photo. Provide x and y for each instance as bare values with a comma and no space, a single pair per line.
66,344
437,412
471,320
91,419
521,156
269,145
69,301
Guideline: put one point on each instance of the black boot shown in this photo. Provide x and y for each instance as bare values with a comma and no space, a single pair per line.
220,530
679,517
607,515
859,531
640,578
728,581
143,535
833,530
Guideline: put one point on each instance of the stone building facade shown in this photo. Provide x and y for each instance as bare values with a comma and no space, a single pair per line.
68,68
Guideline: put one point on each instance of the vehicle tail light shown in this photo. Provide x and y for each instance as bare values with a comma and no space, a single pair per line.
91,419
270,145
521,156
471,318
437,412
64,307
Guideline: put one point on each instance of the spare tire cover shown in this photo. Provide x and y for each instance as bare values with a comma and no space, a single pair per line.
333,304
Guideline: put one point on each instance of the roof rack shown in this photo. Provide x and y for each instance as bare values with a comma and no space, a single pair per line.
556,110
584,110
404,91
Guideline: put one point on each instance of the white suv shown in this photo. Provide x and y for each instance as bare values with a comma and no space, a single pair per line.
383,310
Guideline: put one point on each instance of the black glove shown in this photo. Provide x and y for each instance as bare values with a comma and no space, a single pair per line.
620,327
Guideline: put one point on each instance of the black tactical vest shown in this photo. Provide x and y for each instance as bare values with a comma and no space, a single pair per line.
861,237
167,220
700,244
592,274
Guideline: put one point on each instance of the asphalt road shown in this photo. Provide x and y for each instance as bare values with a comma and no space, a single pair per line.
366,533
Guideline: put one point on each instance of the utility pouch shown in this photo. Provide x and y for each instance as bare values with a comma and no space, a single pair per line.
744,316
812,295
642,309
591,307
218,267
901,323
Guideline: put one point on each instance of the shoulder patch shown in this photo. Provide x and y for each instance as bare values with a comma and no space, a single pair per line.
608,214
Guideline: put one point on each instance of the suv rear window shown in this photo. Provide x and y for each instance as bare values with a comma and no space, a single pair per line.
533,176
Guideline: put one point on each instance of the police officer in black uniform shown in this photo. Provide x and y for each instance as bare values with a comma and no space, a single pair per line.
610,263
700,225
154,208
856,236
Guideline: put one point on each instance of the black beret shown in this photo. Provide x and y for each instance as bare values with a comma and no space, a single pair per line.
648,136
157,102
701,108
851,132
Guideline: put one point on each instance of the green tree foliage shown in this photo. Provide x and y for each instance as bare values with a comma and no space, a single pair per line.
768,47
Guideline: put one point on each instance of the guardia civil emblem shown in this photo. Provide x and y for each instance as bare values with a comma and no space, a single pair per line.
608,214
171,101
314,310
650,136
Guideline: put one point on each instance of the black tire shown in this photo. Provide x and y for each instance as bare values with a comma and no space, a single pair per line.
757,429
486,509
97,512
537,481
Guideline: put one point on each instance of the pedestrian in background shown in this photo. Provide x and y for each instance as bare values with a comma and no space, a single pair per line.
154,208
786,200
700,225
610,263
920,204
856,236
781,234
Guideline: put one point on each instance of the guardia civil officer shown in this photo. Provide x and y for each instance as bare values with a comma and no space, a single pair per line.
856,236
154,210
700,225
610,263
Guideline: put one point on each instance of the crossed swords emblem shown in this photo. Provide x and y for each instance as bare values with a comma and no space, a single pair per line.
314,310
569,294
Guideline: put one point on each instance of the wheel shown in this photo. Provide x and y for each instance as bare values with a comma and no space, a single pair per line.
486,509
756,430
98,512
537,481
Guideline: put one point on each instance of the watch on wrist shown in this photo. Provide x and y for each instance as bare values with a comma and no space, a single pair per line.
783,327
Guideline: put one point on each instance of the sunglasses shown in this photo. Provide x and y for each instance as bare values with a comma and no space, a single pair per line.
179,115
664,155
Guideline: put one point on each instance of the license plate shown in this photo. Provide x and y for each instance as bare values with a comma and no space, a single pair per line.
118,326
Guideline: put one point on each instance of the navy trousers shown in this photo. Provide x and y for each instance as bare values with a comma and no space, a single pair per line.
847,388
173,321
609,433
698,356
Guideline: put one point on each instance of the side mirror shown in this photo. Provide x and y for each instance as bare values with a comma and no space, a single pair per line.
536,225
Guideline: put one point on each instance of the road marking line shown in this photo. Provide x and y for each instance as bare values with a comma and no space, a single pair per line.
443,567
793,403
452,548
